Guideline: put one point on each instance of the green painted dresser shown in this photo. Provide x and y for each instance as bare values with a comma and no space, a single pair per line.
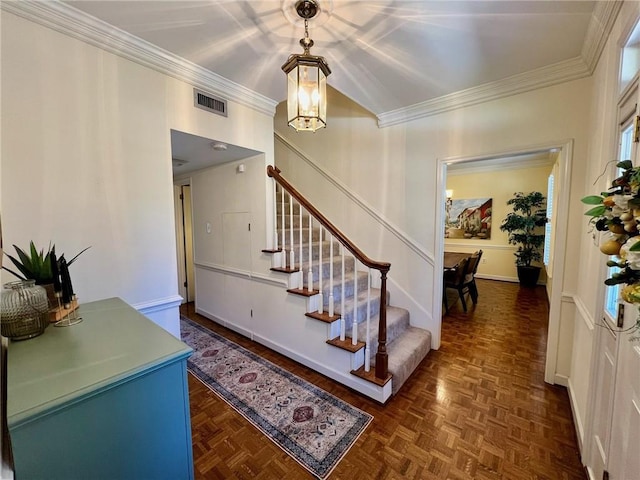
104,399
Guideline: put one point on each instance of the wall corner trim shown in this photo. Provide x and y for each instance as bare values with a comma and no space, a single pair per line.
158,304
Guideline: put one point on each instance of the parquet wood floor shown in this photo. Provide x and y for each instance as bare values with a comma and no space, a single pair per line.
478,408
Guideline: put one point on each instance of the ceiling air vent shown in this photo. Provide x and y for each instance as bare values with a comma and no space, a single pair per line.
210,103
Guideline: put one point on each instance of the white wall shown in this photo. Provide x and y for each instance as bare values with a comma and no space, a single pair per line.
394,171
86,160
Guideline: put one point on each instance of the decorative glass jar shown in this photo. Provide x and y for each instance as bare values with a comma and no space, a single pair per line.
24,310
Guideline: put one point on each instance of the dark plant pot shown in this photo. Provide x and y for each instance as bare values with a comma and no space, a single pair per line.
528,276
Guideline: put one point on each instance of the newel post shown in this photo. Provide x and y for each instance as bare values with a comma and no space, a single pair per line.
382,358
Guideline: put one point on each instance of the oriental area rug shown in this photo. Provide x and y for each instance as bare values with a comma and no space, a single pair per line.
312,426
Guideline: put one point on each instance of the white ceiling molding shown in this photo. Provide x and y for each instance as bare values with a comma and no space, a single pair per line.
77,24
541,77
602,20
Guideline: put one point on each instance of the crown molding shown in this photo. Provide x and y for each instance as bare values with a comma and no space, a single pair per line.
560,72
77,24
602,20
70,21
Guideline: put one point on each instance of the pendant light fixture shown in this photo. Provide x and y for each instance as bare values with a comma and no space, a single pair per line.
306,79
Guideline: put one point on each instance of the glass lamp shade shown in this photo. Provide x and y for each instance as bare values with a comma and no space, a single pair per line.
306,92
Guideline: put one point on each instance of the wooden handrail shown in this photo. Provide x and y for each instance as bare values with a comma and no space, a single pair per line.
382,358
274,172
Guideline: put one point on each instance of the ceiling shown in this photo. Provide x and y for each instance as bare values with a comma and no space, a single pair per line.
191,152
384,54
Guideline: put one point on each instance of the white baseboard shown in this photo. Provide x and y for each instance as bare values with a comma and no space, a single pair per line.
499,278
561,380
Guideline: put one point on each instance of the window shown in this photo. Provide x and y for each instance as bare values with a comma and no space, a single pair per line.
612,293
547,228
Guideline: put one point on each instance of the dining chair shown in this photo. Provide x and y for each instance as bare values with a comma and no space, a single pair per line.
454,279
463,279
470,276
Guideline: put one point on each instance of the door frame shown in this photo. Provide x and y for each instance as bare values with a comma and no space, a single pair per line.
180,239
563,183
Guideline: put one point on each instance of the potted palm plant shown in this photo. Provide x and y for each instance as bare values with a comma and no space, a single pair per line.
525,226
35,265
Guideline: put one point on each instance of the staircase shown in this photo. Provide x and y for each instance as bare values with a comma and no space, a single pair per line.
344,291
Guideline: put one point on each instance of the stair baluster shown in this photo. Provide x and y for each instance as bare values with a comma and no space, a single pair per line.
354,323
275,216
301,273
292,255
331,306
283,256
310,271
367,348
320,299
343,333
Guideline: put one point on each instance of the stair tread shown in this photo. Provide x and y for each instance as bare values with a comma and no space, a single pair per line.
405,354
397,322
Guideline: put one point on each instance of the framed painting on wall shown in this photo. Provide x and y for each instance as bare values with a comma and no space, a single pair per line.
468,218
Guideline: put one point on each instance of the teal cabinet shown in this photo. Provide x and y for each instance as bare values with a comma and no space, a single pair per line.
104,399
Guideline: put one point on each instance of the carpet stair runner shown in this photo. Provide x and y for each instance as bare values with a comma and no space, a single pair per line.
407,345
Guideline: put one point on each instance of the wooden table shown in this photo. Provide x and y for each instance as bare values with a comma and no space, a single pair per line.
452,259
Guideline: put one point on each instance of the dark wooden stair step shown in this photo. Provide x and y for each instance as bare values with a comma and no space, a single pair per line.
371,376
285,269
323,317
346,344
303,292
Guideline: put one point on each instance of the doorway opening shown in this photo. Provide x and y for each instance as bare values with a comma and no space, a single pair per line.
558,158
192,154
184,242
